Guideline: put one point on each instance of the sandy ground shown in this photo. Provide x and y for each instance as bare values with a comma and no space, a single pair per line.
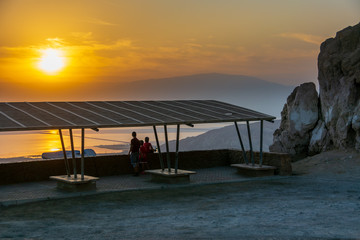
330,164
321,201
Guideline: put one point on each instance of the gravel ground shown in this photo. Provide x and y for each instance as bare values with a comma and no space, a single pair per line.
304,206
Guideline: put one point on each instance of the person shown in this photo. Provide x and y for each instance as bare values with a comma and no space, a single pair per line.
145,148
134,153
148,147
143,158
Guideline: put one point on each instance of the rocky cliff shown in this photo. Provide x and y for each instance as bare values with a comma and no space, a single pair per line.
311,123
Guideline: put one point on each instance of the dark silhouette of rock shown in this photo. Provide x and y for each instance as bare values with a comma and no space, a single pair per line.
339,81
298,119
338,123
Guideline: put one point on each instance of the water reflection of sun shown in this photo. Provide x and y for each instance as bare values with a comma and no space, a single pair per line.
52,60
52,145
52,142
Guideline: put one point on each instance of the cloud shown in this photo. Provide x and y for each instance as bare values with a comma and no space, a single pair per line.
56,42
194,45
313,39
217,46
31,51
17,53
82,35
90,58
98,22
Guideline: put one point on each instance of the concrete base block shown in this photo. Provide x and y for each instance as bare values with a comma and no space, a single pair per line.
254,171
72,184
182,176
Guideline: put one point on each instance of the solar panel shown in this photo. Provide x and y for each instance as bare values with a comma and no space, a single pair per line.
23,116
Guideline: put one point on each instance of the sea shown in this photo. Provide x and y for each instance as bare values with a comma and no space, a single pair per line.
29,145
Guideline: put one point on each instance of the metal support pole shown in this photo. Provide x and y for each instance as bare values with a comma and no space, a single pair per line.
73,153
82,153
250,144
241,143
167,149
158,147
177,148
261,142
64,152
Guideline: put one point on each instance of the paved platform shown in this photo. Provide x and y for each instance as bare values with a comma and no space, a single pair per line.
166,176
255,170
15,194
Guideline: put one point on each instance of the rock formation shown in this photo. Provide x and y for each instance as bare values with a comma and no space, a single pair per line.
312,124
298,118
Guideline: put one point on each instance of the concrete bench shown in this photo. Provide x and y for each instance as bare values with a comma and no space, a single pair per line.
254,170
75,184
182,176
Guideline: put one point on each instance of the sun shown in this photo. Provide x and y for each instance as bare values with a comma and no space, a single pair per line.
52,60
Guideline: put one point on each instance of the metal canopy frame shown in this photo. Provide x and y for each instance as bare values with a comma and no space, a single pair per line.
250,143
26,116
73,154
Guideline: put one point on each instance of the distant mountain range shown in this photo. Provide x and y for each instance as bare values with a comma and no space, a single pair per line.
226,138
245,91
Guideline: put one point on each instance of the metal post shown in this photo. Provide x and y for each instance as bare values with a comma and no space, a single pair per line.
158,147
241,143
64,152
82,152
177,148
250,144
167,149
73,153
261,142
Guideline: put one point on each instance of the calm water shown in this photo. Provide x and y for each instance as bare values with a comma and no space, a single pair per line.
32,144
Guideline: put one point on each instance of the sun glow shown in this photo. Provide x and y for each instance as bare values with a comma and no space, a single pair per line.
51,61
54,149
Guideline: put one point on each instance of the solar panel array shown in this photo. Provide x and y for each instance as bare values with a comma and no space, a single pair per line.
21,116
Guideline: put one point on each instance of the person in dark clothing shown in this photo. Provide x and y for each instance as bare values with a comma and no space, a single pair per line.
134,153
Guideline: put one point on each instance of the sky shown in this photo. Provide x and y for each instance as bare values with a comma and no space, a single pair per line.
52,46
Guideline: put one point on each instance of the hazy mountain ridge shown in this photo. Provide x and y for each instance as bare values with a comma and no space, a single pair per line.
245,91
226,138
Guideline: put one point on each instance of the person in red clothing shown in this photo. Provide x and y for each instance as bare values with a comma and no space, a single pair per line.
148,146
145,148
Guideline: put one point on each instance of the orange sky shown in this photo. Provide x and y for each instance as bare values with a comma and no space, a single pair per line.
104,40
